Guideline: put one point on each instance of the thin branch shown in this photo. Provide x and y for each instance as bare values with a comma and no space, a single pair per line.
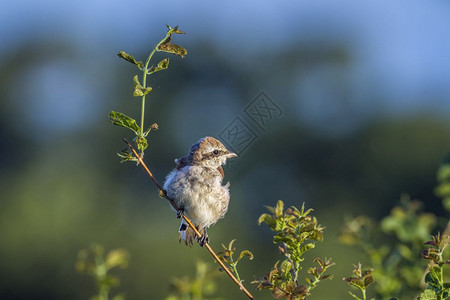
163,194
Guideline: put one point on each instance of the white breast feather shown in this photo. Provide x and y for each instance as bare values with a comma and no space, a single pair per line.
201,193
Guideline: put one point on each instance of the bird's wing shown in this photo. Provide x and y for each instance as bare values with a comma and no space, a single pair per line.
181,162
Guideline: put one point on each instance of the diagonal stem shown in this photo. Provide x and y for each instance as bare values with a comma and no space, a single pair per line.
163,194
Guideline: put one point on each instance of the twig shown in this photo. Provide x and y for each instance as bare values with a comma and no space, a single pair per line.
163,194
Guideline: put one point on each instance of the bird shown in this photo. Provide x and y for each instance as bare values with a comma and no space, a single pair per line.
195,185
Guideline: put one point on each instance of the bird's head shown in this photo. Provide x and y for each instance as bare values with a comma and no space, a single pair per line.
209,152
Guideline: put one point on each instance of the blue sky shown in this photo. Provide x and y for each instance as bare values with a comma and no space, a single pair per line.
402,47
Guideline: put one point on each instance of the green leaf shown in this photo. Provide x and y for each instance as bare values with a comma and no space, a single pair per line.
355,282
433,277
266,218
446,203
173,48
368,280
139,90
406,251
120,119
167,46
278,293
280,225
283,239
175,30
162,65
279,208
444,172
136,80
300,290
117,258
285,267
306,248
131,59
230,245
141,143
428,295
126,155
245,253
325,277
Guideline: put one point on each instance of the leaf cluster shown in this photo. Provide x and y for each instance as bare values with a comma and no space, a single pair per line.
141,90
436,287
296,232
96,263
167,46
443,188
361,280
226,256
393,246
202,286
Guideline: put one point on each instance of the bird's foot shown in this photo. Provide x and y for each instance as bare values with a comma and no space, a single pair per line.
180,212
204,239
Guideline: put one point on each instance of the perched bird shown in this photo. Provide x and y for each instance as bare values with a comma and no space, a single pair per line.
195,185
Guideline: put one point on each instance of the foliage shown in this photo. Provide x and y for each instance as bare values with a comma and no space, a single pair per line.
436,287
296,232
141,90
361,280
201,287
393,247
443,188
95,263
227,257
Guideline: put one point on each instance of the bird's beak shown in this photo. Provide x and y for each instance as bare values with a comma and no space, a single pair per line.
230,155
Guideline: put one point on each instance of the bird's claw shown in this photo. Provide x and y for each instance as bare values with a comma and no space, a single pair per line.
204,239
180,212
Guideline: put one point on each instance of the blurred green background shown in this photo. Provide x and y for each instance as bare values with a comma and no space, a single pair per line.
365,97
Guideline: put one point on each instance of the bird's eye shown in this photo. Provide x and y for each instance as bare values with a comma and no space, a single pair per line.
216,152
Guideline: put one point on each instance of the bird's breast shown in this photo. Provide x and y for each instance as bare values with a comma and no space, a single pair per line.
200,192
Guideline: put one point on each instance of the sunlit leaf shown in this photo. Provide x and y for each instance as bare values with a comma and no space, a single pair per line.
357,282
173,48
117,258
177,31
285,267
279,208
368,280
428,295
325,277
131,59
433,277
245,253
139,90
123,120
306,248
300,290
141,143
230,244
126,156
267,219
162,65
278,293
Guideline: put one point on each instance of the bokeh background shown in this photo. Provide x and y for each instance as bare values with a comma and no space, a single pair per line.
364,88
